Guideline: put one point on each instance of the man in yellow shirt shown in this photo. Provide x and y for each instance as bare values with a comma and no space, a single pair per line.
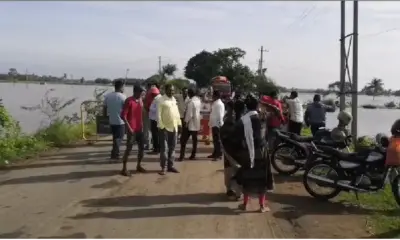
169,121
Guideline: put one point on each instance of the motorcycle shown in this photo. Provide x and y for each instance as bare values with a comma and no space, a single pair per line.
293,150
360,172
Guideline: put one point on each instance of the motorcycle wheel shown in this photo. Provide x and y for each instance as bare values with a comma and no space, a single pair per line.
274,158
335,190
396,189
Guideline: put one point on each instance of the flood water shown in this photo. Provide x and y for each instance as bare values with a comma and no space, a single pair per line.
15,95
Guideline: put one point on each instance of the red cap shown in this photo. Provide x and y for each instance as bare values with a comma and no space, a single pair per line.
154,90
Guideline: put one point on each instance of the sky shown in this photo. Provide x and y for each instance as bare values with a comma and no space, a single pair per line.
102,39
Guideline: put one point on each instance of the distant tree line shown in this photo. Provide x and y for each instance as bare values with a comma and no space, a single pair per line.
204,66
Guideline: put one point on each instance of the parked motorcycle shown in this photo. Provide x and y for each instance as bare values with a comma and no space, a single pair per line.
361,172
292,151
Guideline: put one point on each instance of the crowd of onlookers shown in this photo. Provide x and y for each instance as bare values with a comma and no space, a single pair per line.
163,118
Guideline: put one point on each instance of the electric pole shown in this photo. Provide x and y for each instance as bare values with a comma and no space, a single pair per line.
342,88
354,99
260,65
159,65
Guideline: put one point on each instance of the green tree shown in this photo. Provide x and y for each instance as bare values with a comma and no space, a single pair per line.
202,67
167,70
334,87
13,73
375,87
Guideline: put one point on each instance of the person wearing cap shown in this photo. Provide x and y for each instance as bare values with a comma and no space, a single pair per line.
132,114
169,121
275,119
113,104
155,93
146,121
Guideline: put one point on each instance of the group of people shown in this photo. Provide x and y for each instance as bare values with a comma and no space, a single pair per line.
239,126
166,117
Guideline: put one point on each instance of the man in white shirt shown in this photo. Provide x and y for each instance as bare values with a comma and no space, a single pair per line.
192,124
296,114
182,100
216,121
113,104
153,116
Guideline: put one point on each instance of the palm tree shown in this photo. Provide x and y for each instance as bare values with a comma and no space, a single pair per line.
375,87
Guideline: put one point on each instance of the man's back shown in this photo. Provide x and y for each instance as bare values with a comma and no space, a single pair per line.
295,110
114,102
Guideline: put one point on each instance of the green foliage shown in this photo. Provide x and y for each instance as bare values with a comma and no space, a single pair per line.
179,83
62,131
374,88
226,62
391,104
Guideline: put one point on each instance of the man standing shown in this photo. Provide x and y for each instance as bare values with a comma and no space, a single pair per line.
216,121
132,115
315,114
168,123
274,121
295,113
146,121
113,104
192,124
182,101
153,116
239,106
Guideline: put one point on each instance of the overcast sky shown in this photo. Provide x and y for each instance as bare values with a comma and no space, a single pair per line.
102,39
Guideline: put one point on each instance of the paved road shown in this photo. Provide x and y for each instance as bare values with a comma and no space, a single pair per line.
77,193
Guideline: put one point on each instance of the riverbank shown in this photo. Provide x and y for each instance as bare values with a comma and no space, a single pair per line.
16,145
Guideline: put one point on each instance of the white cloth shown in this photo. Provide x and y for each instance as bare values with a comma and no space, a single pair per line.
217,114
153,108
295,110
248,134
192,114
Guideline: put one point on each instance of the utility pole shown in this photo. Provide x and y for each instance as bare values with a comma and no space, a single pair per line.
262,51
159,65
354,99
342,55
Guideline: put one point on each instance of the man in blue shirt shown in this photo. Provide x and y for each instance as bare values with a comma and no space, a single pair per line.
113,105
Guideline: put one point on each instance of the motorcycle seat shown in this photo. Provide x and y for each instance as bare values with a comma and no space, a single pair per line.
354,157
302,138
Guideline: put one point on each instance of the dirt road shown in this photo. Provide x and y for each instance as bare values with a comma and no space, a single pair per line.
77,193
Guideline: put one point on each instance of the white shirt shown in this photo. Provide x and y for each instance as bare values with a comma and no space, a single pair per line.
114,102
153,108
192,114
217,114
295,110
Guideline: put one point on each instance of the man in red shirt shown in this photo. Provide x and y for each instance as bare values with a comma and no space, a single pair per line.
132,114
276,119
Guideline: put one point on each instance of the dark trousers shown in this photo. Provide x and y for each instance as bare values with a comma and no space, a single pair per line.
295,127
186,134
137,137
216,141
315,127
118,132
154,135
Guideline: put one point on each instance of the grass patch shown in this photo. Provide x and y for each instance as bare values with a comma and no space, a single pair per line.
61,134
385,217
